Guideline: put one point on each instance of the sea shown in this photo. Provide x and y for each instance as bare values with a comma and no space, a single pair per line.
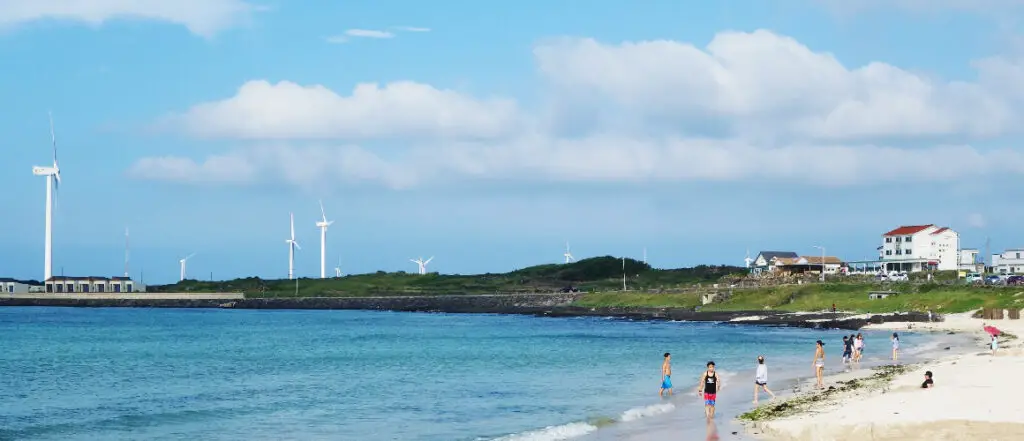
223,374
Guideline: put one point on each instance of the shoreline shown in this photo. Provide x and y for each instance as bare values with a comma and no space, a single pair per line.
540,305
975,396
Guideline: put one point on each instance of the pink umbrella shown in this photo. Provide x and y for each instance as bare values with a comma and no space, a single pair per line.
992,330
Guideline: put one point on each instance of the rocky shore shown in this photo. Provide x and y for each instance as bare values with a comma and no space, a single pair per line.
544,305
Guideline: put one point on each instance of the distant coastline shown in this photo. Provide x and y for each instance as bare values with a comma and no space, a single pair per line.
544,305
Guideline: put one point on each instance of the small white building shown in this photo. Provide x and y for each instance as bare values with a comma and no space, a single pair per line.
1008,262
14,286
62,284
914,248
969,260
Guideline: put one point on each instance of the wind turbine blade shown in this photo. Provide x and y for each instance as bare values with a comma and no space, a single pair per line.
292,217
53,140
322,212
428,260
414,261
296,244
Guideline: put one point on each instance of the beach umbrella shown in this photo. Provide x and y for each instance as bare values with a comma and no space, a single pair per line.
992,330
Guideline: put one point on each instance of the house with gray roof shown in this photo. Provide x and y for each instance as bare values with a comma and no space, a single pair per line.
765,260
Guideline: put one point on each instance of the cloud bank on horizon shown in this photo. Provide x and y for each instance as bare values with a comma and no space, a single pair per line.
748,105
201,17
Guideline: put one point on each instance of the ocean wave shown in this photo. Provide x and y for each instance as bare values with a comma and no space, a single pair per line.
578,429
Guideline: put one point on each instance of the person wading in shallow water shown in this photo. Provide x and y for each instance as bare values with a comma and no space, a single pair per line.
666,375
710,385
819,363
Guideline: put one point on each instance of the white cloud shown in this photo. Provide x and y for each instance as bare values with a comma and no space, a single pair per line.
976,220
411,29
201,17
285,110
369,33
749,105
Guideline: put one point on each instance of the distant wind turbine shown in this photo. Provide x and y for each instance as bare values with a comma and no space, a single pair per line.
337,269
568,255
645,255
52,183
182,262
323,224
292,246
747,260
422,264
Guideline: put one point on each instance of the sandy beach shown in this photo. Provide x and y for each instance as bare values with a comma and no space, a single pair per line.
977,396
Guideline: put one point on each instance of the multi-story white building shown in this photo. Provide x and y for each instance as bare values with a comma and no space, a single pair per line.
1008,262
61,284
915,248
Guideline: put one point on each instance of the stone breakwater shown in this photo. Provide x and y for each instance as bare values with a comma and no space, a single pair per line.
544,305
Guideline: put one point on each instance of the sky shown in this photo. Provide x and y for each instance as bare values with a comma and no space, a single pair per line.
489,134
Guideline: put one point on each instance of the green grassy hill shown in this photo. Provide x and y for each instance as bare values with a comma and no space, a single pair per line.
820,297
594,274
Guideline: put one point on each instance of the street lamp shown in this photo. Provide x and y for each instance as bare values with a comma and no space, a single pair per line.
822,262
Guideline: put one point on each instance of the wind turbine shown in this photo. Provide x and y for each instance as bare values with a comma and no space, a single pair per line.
422,264
568,255
51,174
747,260
323,224
182,262
292,246
337,269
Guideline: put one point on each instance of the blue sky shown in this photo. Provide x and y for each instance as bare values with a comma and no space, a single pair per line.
489,133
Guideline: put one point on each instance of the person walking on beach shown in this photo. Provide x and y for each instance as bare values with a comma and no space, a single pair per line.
761,379
858,347
847,349
994,344
709,387
666,375
819,363
895,347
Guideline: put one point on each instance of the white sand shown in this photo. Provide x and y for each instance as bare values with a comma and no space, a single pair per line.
976,397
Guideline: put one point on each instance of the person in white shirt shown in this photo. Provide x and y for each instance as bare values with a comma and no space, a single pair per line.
761,379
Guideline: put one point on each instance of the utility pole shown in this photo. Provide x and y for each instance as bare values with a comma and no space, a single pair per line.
987,257
623,273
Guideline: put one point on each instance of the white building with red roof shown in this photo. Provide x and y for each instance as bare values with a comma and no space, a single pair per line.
913,248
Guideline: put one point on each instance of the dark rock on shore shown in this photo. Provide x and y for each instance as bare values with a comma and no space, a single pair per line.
543,305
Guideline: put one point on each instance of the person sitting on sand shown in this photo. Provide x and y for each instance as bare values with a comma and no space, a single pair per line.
666,375
819,363
761,379
928,383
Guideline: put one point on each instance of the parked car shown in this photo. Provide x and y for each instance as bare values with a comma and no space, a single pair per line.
898,276
974,278
1015,280
994,280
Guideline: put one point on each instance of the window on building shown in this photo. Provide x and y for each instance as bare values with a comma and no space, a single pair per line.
10,288
1018,255
70,288
128,288
899,252
888,240
99,288
899,239
60,287
117,287
83,288
888,252
906,252
49,287
907,239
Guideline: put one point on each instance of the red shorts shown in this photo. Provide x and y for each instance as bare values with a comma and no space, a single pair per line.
709,399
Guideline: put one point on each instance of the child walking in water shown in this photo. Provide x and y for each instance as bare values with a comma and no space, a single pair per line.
761,379
895,347
819,364
666,375
710,385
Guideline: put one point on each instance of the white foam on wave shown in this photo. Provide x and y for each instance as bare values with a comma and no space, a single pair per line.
643,412
552,433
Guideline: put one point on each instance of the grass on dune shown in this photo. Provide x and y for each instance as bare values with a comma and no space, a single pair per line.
821,297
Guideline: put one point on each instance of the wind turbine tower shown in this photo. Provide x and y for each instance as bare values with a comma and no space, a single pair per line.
182,262
568,255
52,182
337,269
422,264
323,224
292,246
747,260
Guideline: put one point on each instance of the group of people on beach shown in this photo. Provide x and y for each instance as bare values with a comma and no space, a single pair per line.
710,384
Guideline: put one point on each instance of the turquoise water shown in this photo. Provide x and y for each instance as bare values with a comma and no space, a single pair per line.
177,374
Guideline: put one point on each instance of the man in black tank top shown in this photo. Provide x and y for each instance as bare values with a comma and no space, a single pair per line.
709,387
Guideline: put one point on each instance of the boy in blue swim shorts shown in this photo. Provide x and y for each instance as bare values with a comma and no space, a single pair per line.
666,375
